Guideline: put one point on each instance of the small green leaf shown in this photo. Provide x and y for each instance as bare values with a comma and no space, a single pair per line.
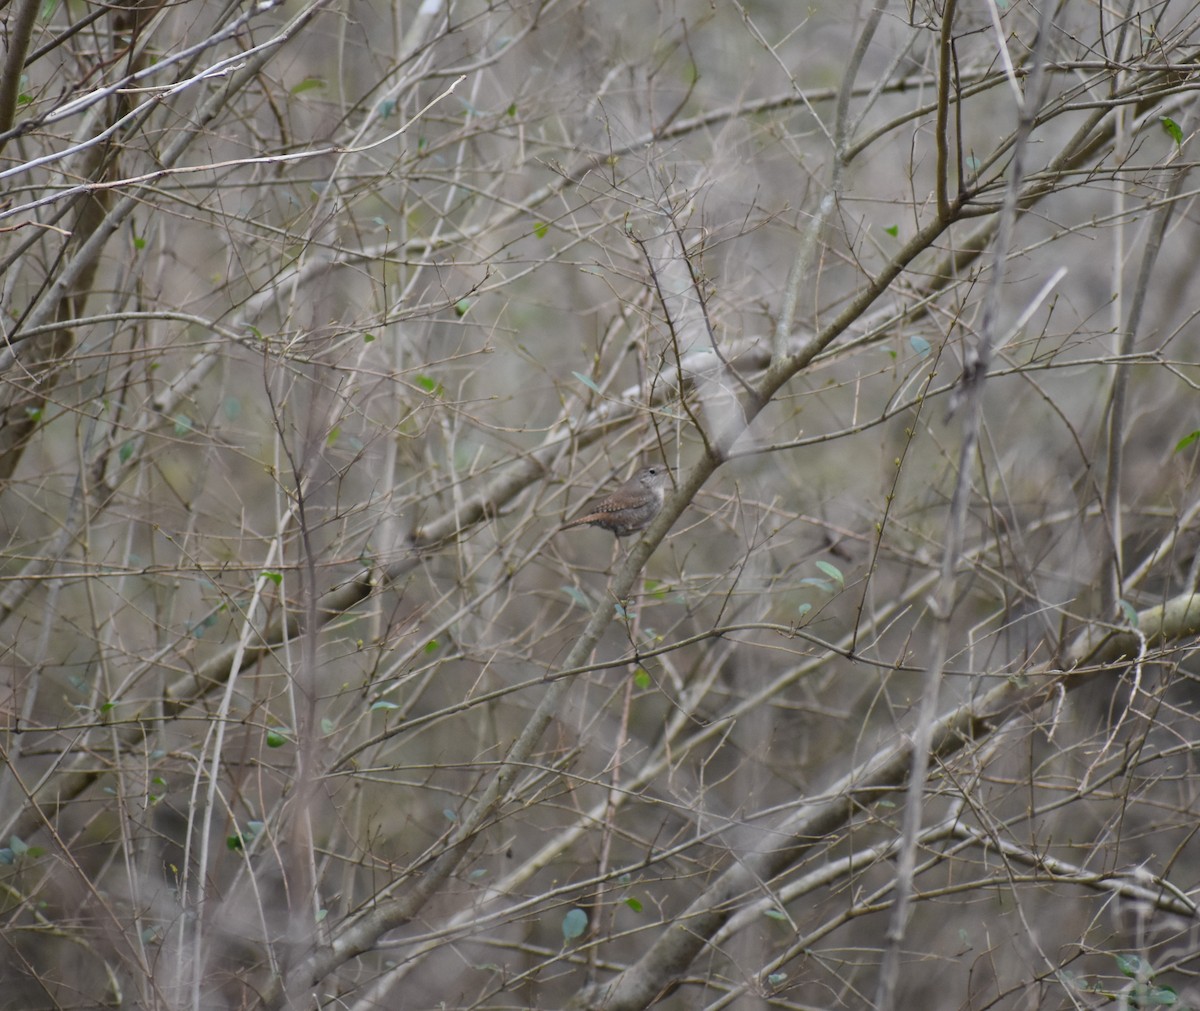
1130,613
775,914
183,424
574,923
332,437
462,306
33,413
777,978
387,108
833,572
577,595
234,842
477,873
893,230
511,110
429,385
19,847
1172,129
382,704
432,646
327,725
277,738
449,814
275,577
920,345
1187,440
368,337
126,451
321,914
587,381
139,242
308,84
107,707
642,679
803,609
256,332
633,904
1133,966
540,229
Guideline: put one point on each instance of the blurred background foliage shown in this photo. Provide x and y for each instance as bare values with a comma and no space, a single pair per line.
320,318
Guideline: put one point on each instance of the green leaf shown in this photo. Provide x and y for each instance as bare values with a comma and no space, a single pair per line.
183,424
139,242
1172,129
432,646
1130,613
633,904
240,840
577,595
368,337
307,85
18,846
1133,966
387,108
430,385
574,923
777,978
775,914
893,230
327,725
511,110
332,437
833,572
275,577
1187,440
642,679
803,609
540,229
920,345
587,381
126,451
382,704
277,738
462,306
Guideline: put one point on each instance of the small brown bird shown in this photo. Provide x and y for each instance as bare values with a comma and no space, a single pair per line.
631,506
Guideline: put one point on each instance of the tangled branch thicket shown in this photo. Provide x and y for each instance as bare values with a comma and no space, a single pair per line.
319,320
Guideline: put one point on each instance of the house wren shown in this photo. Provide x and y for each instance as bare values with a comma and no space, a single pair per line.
631,506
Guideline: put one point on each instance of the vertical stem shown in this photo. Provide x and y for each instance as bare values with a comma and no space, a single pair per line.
976,360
